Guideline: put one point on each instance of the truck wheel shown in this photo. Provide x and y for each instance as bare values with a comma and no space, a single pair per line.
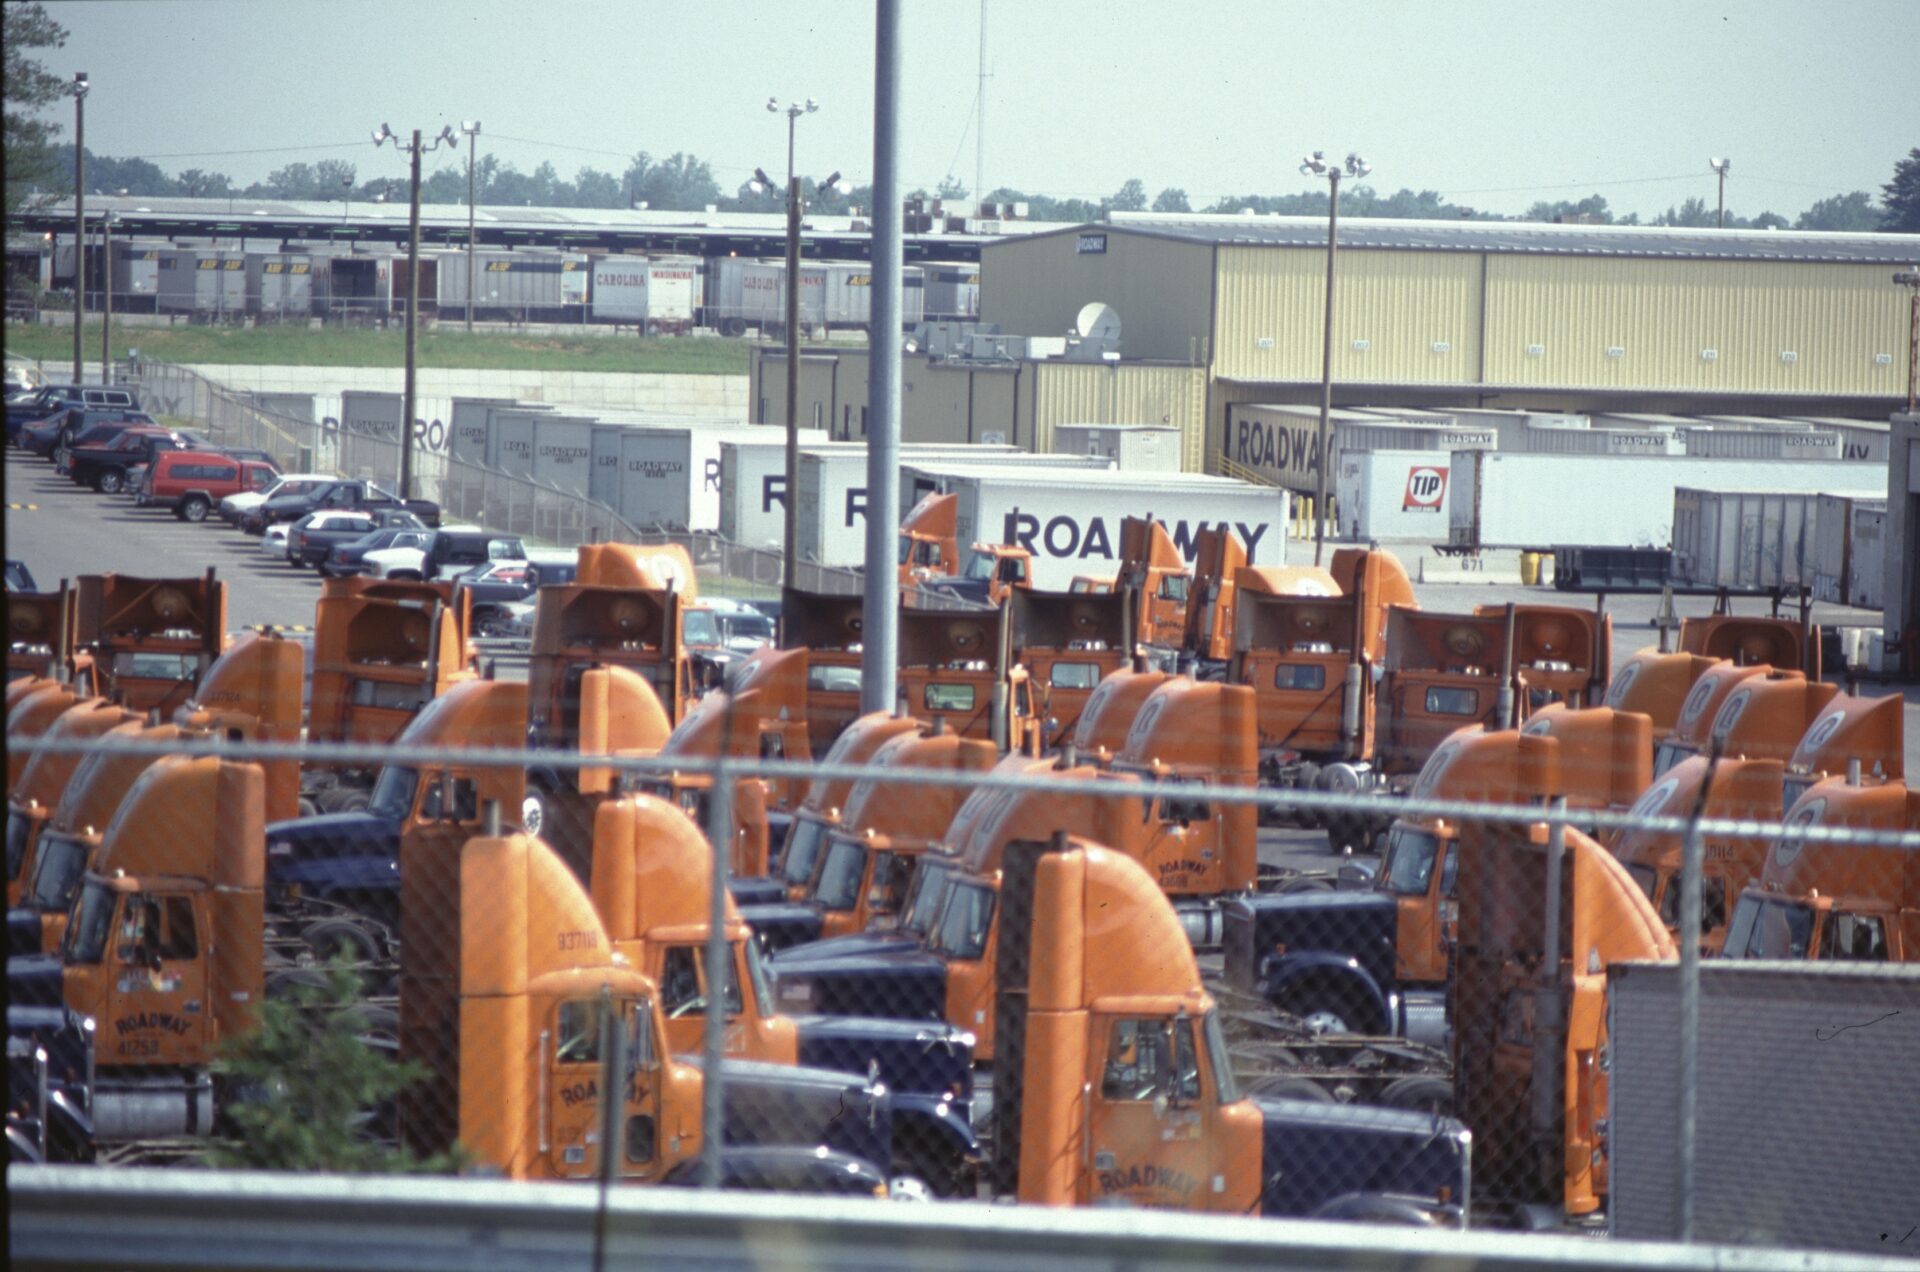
1329,1009
109,481
1288,1086
376,1022
533,813
193,508
733,326
284,985
1421,1093
653,328
1374,1208
328,938
1311,883
307,808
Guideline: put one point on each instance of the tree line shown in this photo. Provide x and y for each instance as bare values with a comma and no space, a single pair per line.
681,182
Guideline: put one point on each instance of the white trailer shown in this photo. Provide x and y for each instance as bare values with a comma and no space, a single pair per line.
1497,500
1393,494
468,424
660,295
563,450
1070,519
1850,556
1282,443
754,477
670,472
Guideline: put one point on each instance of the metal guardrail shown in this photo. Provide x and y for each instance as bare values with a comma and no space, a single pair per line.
89,1217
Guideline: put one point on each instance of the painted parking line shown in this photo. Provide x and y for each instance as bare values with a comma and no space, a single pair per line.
14,507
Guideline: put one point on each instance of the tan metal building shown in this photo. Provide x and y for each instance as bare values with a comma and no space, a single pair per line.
1016,402
1545,317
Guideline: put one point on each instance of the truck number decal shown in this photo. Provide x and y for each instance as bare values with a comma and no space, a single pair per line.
579,940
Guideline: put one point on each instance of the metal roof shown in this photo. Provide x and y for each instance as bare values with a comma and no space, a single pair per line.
1520,238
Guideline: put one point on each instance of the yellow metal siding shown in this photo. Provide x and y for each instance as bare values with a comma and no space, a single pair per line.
1661,315
1121,393
1271,315
1159,287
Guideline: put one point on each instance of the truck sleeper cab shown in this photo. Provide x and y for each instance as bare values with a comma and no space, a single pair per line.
44,780
1068,642
151,639
1115,1084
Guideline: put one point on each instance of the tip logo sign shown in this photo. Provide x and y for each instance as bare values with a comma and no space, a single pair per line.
1426,489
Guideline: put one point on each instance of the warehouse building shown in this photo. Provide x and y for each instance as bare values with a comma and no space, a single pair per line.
1478,314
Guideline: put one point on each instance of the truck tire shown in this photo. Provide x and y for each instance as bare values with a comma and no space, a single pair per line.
284,985
192,508
1311,883
1290,1086
733,326
1375,1208
533,812
1329,1009
327,938
653,328
1421,1093
110,481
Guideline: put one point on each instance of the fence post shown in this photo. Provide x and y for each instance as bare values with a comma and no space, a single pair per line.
720,835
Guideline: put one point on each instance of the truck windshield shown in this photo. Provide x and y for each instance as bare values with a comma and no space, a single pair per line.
980,566
1765,927
803,849
839,884
56,869
1668,754
757,980
923,897
92,923
1646,877
698,628
1411,853
891,871
393,792
964,921
1854,937
19,827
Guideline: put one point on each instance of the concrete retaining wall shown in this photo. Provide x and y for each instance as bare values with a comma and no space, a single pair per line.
718,396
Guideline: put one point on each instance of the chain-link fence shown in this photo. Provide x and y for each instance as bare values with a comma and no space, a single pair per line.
1123,973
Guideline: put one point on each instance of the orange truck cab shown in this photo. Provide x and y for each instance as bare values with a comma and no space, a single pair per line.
652,883
1114,1084
1493,667
382,649
1752,711
1218,558
1068,642
252,693
151,639
1202,734
581,625
760,714
957,667
606,711
70,840
827,629
1753,641
1656,685
1107,717
1871,731
43,781
166,948
1836,900
40,634
819,809
1732,789
1150,567
1528,1008
31,714
1309,646
928,548
1091,583
866,867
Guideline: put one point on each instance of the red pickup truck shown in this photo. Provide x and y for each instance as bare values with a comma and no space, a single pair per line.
193,483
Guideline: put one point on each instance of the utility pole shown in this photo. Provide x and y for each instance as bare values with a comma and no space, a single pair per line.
793,367
381,135
881,602
471,127
1315,165
106,297
1721,167
979,118
1910,279
79,216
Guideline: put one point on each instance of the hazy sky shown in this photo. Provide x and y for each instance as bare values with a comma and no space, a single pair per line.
1494,103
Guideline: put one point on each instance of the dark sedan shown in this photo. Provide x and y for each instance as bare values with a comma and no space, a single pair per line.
44,436
347,558
499,591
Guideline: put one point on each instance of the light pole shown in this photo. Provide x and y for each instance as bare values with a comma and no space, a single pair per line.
1720,168
445,137
1910,279
106,295
471,127
1315,165
79,91
763,183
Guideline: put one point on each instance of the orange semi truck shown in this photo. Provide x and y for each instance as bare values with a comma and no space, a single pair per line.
151,639
44,779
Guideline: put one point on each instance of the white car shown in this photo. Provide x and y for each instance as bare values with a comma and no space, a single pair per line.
411,562
234,506
274,541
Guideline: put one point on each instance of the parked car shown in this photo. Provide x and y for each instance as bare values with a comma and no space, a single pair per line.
350,557
19,577
495,589
104,465
233,507
42,436
314,535
452,551
55,398
273,541
191,481
340,493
